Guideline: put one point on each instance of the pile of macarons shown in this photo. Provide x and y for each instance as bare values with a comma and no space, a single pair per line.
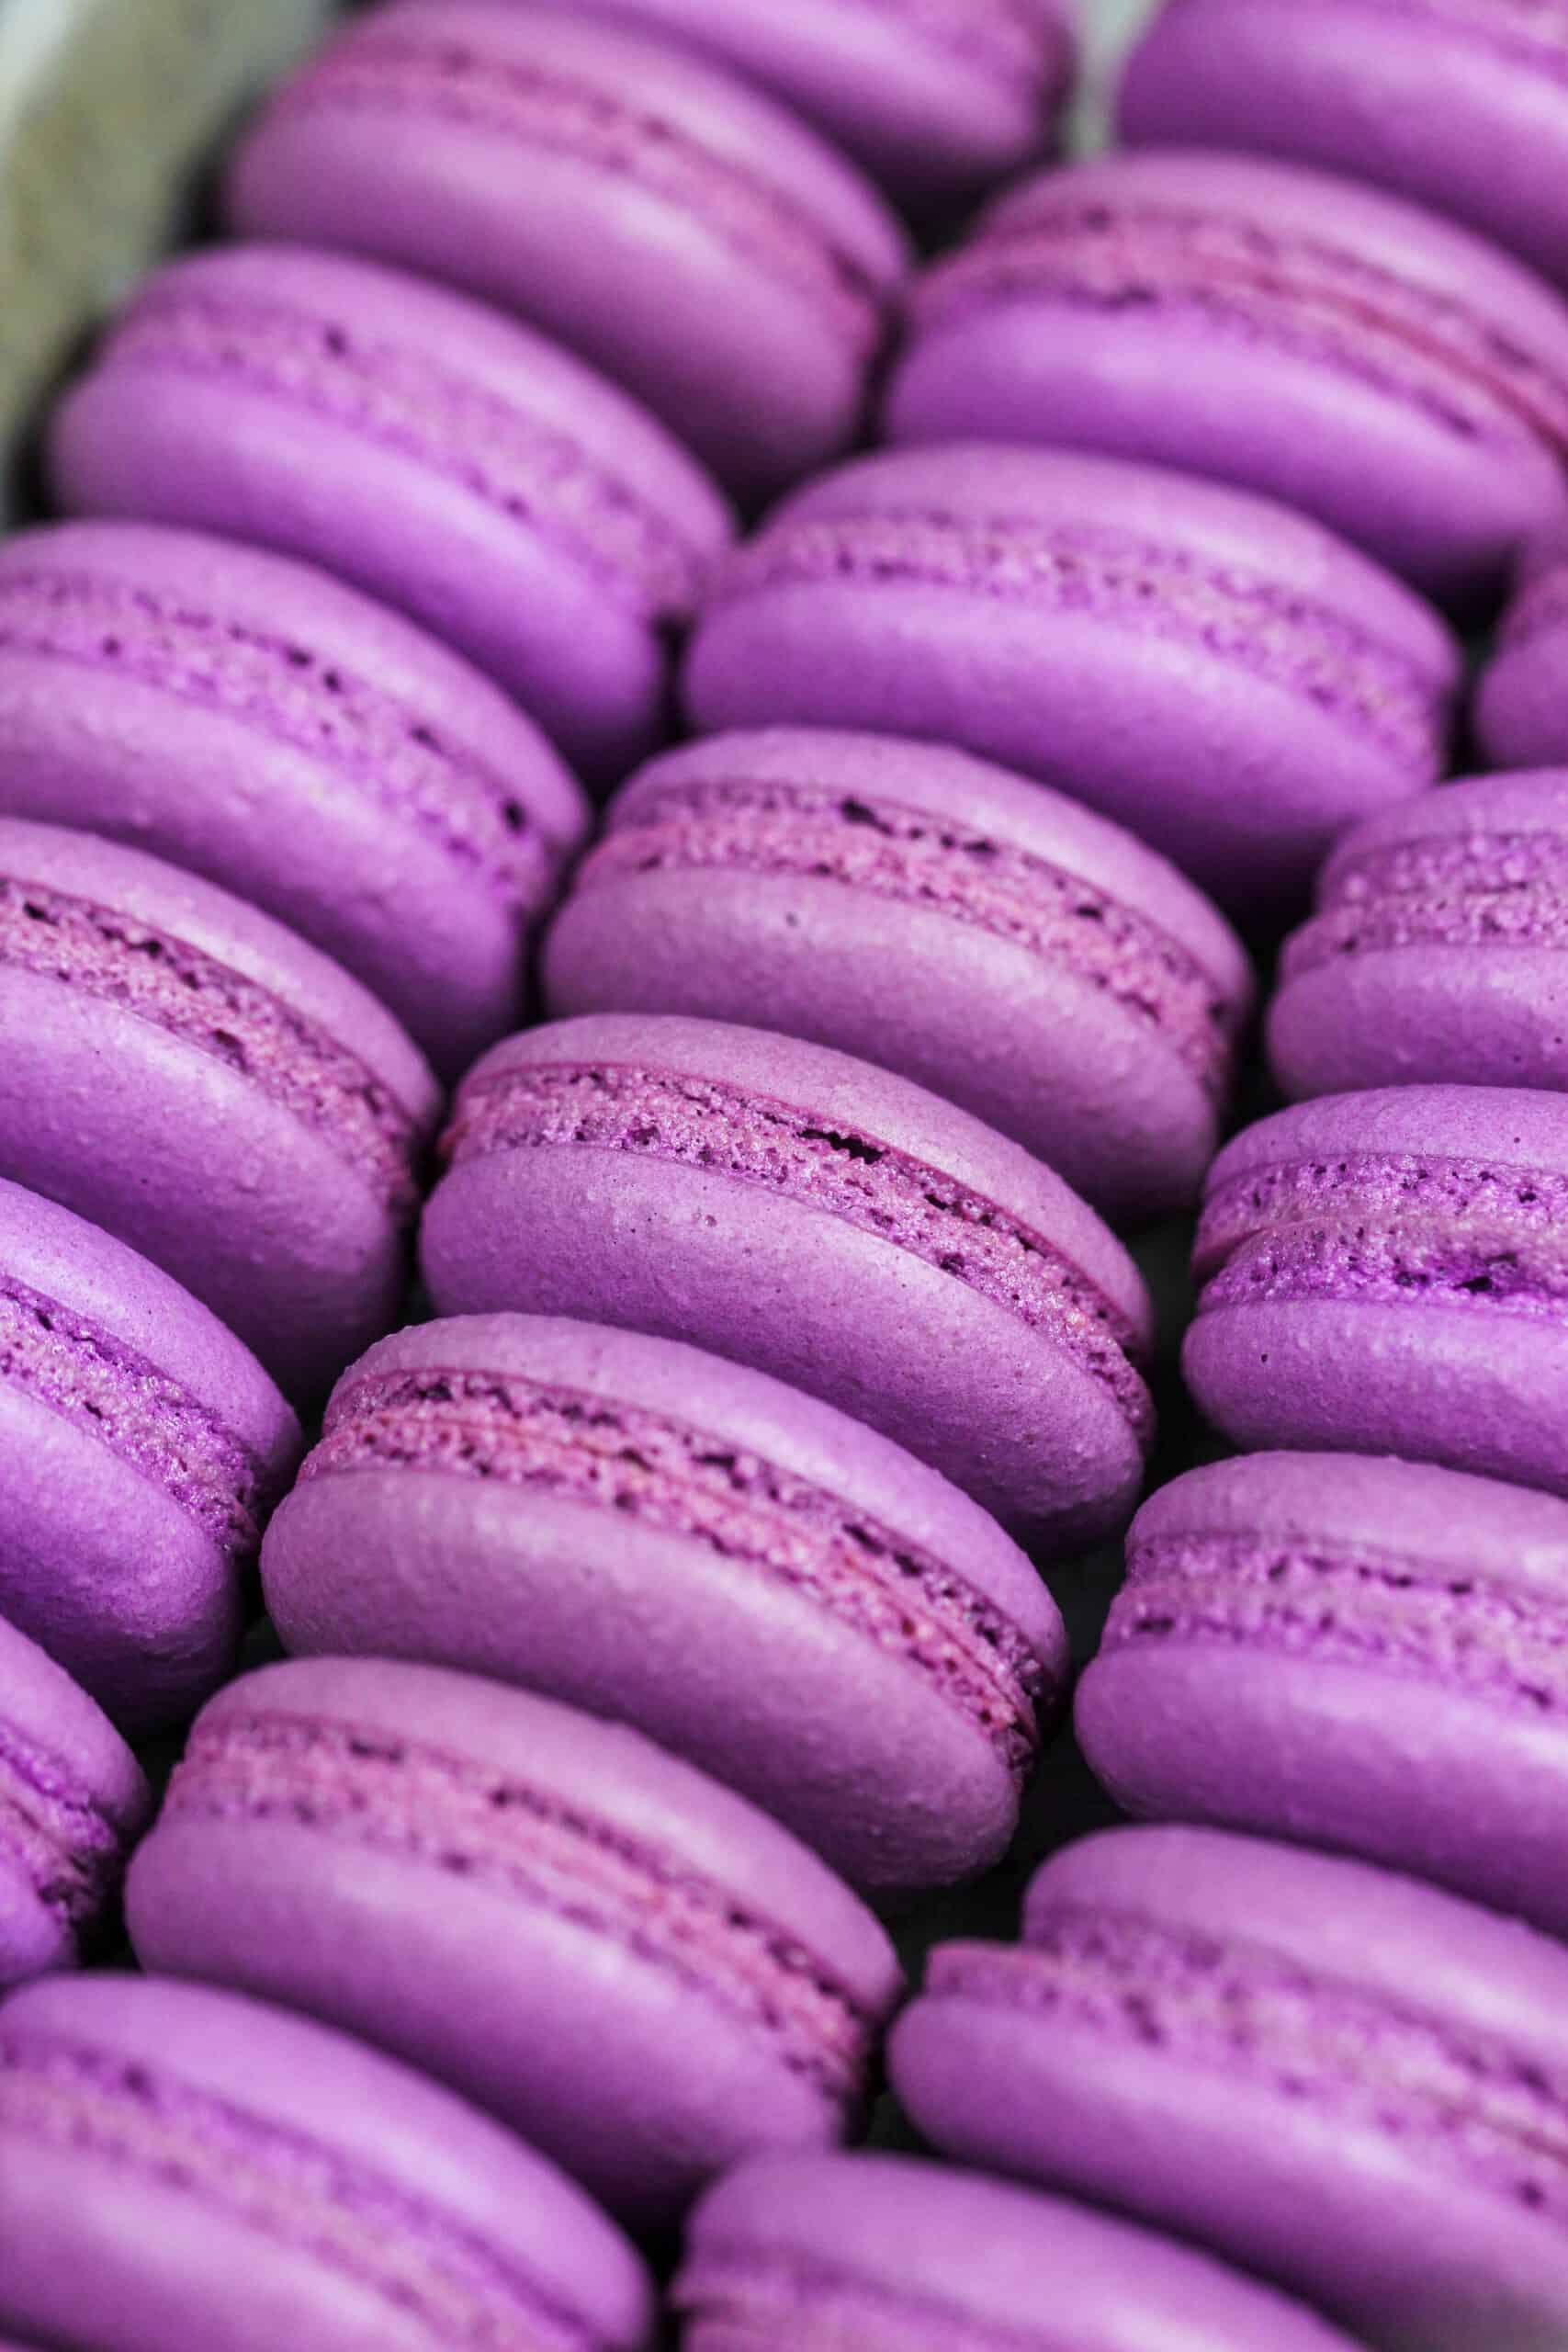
659,725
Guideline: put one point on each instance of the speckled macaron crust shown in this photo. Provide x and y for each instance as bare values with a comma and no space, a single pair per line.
1224,678
1291,333
643,1974
1358,1654
141,1449
931,914
250,719
793,2252
1459,104
448,461
72,1802
1384,1273
935,98
182,2166
1340,2078
1439,952
802,1213
182,1071
1521,700
756,1582
726,265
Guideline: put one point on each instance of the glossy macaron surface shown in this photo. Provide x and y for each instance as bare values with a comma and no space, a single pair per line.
1224,678
1294,334
969,929
1521,703
737,1190
1338,2078
628,1963
451,462
727,267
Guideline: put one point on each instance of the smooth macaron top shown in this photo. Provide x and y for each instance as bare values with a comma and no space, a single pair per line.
250,719
877,1114
422,447
1520,714
700,203
263,2126
934,97
963,2260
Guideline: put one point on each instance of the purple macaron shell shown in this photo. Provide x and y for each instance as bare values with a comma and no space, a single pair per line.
756,1582
1437,953
72,1800
1342,2079
248,719
141,1449
182,2166
639,1971
819,1220
184,1071
1290,332
1357,1653
1521,701
1384,1273
1224,677
934,98
1459,104
451,462
935,915
797,2251
724,264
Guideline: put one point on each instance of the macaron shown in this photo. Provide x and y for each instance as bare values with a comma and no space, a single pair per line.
1521,700
1343,2080
797,2251
935,915
1224,678
799,1211
180,2167
1358,1654
1383,1273
936,99
637,1971
1435,953
182,1071
757,1582
248,719
141,1449
72,1802
722,261
1460,104
446,460
1292,332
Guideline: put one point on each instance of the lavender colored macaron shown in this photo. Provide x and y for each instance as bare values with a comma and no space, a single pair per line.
1342,2079
1290,332
799,2251
450,462
140,1448
929,912
799,1211
1435,953
934,98
680,230
1459,104
1358,1654
1384,1273
180,2167
1224,678
72,1800
185,1072
643,1974
752,1579
250,719
1521,701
